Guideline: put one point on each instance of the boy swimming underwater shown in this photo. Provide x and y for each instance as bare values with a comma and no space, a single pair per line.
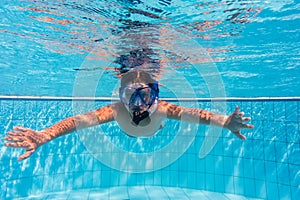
139,113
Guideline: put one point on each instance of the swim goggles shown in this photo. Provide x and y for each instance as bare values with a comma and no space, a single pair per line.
139,95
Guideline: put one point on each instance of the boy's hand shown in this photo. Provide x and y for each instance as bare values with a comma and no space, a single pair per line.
25,138
235,122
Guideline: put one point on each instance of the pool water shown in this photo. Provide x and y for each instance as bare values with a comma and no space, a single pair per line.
58,59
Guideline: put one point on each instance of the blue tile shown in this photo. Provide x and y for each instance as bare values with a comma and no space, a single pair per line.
210,182
260,189
238,148
228,148
210,164
292,133
157,177
271,171
279,111
281,152
229,184
42,108
191,182
248,148
272,190
258,111
246,107
88,179
183,179
228,166
291,111
174,178
165,177
269,151
182,163
280,130
238,164
249,168
258,131
77,180
191,160
249,187
284,192
269,130
59,182
173,166
37,185
218,148
238,185
19,187
3,188
97,179
64,109
200,181
115,177
294,172
259,170
200,165
132,179
258,150
30,109
219,165
123,178
293,153
10,190
268,107
6,108
295,192
48,183
219,183
149,178
105,179
140,179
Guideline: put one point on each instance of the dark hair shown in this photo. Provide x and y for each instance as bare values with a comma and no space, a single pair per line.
136,76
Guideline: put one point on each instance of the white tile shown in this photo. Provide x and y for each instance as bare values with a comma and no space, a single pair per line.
138,192
156,192
176,193
195,194
117,193
100,193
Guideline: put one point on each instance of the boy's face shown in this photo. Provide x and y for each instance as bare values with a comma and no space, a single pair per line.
138,96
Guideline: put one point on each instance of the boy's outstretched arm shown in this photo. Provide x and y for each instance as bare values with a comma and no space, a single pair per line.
234,122
30,140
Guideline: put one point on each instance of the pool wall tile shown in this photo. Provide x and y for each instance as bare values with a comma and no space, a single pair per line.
264,166
284,191
294,172
219,183
249,187
291,111
272,190
279,111
210,182
200,181
260,189
238,185
229,184
295,192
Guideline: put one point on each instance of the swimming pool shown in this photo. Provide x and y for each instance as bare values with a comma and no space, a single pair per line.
49,73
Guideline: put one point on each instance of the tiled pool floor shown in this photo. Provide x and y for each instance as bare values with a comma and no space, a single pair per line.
139,192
